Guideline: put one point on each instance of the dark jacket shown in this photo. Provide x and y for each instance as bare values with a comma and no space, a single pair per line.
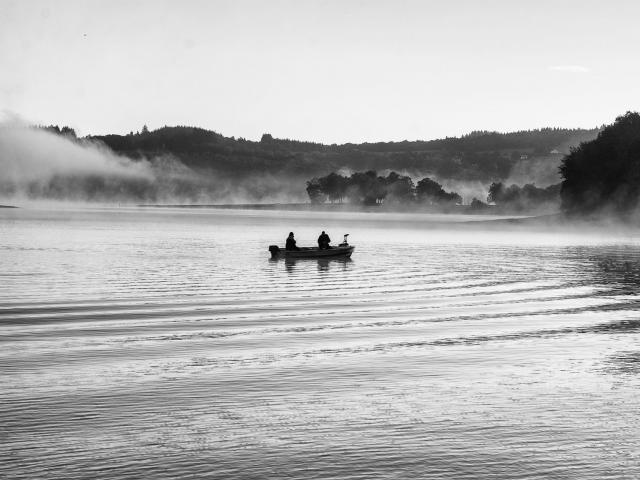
324,240
291,244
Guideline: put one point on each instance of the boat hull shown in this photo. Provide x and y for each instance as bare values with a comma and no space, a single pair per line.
312,252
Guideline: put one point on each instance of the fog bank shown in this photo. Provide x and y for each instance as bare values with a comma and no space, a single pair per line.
40,165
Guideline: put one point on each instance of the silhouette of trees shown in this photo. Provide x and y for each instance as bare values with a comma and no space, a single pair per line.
68,131
368,188
431,192
64,131
427,188
399,188
605,172
334,186
315,192
478,205
481,156
496,192
519,198
274,166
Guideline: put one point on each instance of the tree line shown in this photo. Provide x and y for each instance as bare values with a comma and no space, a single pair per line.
369,188
597,173
64,131
600,176
528,197
480,156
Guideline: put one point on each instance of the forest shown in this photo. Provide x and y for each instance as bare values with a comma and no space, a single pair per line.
193,165
603,175
369,188
478,156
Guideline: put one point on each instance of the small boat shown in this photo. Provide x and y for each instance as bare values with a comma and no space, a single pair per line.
343,250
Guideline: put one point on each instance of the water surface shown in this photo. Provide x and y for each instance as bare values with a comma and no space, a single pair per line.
165,343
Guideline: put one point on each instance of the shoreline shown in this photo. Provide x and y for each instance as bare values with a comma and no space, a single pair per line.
491,210
493,217
556,221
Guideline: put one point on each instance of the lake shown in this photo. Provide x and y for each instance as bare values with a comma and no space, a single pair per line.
164,343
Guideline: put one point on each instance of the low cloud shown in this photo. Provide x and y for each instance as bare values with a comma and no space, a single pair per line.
36,164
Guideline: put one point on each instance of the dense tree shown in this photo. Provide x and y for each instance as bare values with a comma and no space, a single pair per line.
68,131
431,192
315,192
334,186
605,172
368,188
64,131
478,205
427,189
481,156
399,188
496,191
273,166
528,197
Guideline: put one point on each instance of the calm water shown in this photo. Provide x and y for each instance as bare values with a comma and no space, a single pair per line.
165,344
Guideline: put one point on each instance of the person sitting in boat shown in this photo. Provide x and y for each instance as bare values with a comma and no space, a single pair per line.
291,243
323,241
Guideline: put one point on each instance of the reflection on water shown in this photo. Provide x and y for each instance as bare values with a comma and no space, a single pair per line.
138,344
323,264
618,267
627,363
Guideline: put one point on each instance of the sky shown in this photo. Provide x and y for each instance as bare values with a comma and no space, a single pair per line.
326,71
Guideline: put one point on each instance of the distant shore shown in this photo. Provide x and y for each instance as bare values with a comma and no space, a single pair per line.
346,207
8,206
555,221
269,206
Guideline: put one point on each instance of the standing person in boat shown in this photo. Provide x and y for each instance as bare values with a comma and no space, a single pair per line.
291,243
324,241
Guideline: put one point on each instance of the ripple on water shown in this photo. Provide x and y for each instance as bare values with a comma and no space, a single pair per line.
178,351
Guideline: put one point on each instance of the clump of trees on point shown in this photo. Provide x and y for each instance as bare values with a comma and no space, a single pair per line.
369,188
527,197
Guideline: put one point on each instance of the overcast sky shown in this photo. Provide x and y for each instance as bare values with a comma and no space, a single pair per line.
329,71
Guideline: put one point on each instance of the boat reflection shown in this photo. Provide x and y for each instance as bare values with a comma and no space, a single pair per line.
323,264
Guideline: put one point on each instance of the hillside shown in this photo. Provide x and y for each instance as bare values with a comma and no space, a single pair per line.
480,156
193,165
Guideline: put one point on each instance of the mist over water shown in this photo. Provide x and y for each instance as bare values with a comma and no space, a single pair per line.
30,154
38,165
166,344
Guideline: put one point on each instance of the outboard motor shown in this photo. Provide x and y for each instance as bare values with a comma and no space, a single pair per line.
344,242
275,250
